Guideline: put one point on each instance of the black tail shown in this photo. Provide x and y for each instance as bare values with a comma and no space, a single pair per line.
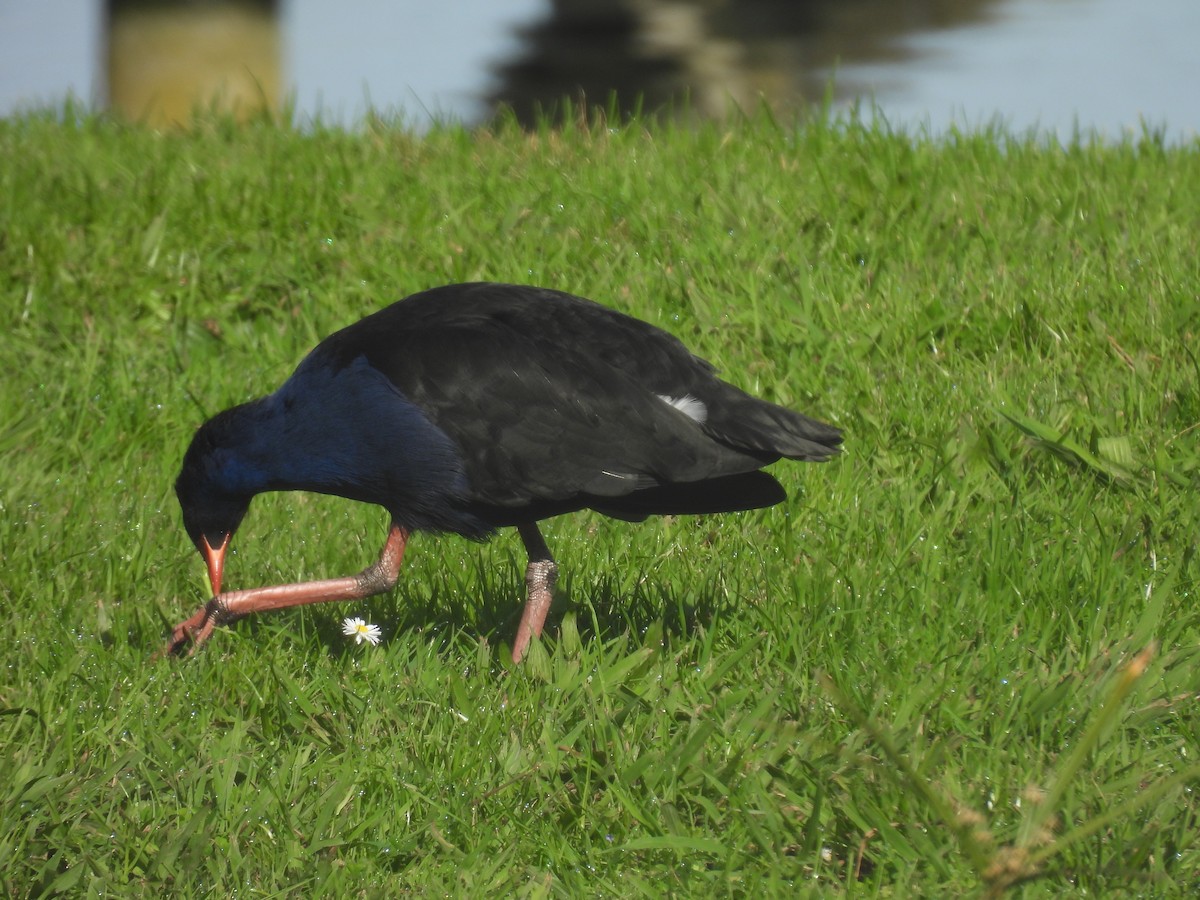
758,427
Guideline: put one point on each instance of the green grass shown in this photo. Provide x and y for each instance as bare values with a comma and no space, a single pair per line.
911,679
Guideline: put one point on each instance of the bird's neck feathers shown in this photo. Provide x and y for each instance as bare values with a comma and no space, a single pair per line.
345,430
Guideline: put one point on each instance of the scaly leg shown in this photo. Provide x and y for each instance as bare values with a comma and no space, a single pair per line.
540,575
375,579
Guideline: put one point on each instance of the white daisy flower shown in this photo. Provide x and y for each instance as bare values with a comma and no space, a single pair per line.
361,631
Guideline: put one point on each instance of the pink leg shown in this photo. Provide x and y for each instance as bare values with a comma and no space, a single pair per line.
375,579
540,575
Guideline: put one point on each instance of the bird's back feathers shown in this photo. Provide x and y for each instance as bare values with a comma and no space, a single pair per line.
558,403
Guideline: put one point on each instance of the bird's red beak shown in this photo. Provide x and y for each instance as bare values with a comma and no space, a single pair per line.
214,558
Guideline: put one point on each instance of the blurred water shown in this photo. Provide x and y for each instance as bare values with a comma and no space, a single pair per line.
1105,65
1099,65
345,58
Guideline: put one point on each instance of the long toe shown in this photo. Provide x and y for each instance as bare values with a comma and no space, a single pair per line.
194,631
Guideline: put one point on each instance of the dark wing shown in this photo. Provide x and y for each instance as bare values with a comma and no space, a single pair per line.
654,360
535,426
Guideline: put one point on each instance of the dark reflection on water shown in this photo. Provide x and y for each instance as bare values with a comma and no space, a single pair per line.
709,57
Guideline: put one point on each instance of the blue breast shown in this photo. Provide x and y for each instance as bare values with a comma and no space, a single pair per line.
347,430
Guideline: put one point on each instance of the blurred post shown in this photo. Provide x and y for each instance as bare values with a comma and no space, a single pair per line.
168,58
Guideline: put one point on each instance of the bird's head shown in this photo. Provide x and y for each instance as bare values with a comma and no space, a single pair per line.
211,494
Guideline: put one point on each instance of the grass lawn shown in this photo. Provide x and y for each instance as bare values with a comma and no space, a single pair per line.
963,657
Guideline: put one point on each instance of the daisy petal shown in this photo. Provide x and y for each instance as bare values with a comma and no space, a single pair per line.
361,631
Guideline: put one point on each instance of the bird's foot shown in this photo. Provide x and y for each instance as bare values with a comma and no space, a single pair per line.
196,629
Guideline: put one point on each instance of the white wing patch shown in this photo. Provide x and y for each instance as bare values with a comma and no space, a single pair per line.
688,405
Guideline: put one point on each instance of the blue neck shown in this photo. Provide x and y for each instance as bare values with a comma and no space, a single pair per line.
348,432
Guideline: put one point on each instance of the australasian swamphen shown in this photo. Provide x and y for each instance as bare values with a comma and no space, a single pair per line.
471,407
